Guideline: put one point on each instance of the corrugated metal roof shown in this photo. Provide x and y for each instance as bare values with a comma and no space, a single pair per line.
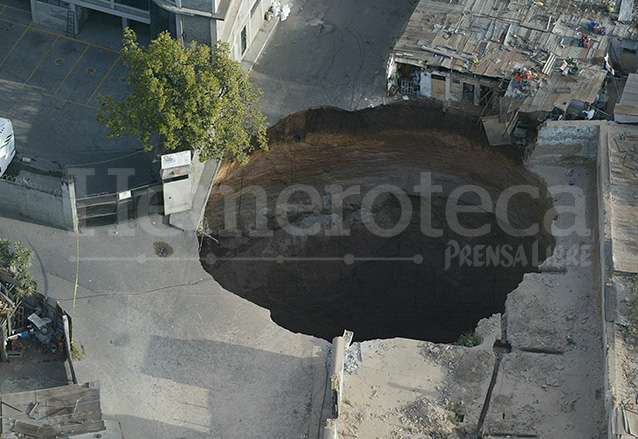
494,38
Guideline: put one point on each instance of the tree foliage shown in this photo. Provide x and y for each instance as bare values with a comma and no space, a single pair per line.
468,339
190,96
15,259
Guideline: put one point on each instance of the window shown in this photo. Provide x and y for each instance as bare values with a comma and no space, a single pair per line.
254,8
244,42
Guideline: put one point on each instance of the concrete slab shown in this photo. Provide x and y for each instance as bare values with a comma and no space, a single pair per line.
10,34
552,383
176,354
24,5
56,64
16,15
623,166
87,74
113,84
18,68
406,388
626,9
626,110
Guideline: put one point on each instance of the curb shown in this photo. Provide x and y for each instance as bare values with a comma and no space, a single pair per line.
263,46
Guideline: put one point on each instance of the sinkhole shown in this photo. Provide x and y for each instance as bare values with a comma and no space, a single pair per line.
396,221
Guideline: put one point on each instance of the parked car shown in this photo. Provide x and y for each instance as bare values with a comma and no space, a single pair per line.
7,145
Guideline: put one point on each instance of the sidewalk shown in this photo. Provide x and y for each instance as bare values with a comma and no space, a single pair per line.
259,44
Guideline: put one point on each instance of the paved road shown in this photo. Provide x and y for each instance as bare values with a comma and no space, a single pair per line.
329,52
178,356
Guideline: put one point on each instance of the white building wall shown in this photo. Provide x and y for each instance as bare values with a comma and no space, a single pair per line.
426,84
249,14
242,13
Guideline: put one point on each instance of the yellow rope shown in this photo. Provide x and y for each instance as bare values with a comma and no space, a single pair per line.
77,267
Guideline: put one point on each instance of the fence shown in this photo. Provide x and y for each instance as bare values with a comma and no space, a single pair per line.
58,207
105,209
50,206
60,322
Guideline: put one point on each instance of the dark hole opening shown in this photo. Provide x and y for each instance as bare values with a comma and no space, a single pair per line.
406,285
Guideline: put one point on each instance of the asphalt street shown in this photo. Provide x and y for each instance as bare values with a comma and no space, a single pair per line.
329,53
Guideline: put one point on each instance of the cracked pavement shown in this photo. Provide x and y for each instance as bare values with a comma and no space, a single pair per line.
176,354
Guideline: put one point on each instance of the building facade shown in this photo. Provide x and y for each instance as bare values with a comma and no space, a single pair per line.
205,21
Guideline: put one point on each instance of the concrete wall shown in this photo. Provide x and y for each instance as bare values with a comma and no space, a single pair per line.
54,208
337,363
581,136
454,84
48,15
81,15
455,89
244,13
202,178
250,14
607,293
256,16
198,29
594,134
426,84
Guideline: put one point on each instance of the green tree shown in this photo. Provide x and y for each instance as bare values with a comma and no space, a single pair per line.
190,96
15,259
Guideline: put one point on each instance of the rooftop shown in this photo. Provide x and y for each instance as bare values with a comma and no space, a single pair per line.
495,38
626,111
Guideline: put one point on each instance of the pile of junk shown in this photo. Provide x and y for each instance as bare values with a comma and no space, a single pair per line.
39,329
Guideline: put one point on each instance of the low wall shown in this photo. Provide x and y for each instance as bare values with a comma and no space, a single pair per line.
51,16
582,137
337,362
53,207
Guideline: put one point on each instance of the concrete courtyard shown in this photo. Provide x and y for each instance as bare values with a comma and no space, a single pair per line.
49,84
176,354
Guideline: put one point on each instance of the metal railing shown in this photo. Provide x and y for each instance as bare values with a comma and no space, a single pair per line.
113,208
